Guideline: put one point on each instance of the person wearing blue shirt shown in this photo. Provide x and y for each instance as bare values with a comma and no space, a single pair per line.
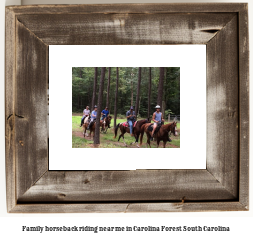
104,113
93,117
130,115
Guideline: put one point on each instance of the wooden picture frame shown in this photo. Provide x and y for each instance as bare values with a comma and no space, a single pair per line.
222,186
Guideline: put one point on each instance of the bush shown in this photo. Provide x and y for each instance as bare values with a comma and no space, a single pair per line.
167,112
120,116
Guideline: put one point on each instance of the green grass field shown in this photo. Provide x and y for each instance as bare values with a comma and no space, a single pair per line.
107,140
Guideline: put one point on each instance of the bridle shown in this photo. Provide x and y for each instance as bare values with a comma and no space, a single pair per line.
170,131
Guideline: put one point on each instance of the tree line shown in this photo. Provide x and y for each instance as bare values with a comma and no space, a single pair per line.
141,87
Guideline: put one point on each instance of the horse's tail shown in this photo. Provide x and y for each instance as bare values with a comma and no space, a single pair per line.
142,132
116,130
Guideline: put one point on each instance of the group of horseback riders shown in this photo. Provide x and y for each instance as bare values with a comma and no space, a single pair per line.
157,118
137,128
93,115
130,115
132,126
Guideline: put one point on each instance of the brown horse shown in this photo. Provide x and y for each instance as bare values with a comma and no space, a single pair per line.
136,130
107,122
162,134
92,127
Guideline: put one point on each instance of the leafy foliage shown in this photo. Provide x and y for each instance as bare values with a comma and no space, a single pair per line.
82,87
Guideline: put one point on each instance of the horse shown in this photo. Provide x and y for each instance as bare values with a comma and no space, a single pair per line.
85,124
136,130
106,121
162,134
84,119
92,127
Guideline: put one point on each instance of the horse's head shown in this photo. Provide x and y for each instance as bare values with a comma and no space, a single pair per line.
108,120
148,120
174,128
102,123
171,127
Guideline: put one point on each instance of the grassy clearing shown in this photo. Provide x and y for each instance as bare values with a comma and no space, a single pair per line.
107,140
78,142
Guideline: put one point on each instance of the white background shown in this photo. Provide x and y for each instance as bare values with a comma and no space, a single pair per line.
240,222
192,62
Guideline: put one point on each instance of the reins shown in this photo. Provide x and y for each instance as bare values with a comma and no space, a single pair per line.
169,131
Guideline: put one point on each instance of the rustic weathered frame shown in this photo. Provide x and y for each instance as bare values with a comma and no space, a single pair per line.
223,186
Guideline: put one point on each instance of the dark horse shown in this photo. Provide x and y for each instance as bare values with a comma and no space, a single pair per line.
106,121
136,130
162,134
92,127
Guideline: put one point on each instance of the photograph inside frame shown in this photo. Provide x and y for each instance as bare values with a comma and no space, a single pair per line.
136,107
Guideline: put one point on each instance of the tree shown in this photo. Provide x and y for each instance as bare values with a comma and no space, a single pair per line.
99,110
160,87
81,72
172,91
149,91
132,88
83,85
108,88
164,94
94,88
138,93
79,96
116,97
132,93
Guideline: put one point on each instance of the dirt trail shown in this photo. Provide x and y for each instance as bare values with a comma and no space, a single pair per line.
116,143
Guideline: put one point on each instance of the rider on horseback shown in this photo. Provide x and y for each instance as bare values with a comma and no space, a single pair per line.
93,117
131,119
105,113
157,118
86,112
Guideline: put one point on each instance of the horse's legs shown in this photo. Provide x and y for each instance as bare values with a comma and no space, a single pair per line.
137,138
84,131
148,139
164,143
148,142
158,142
124,141
122,134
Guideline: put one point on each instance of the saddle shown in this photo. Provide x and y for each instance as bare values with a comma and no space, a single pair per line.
82,122
125,124
150,128
91,124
